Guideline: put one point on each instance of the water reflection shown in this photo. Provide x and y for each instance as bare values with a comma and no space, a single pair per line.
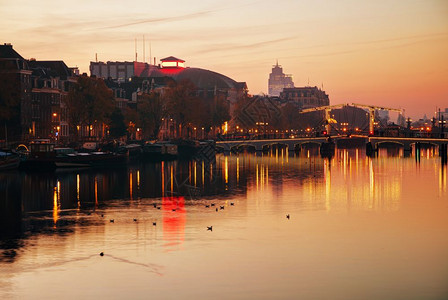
174,220
348,181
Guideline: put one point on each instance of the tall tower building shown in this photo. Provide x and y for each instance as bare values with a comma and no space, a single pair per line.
278,81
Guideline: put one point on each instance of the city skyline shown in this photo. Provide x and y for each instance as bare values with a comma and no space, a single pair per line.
381,53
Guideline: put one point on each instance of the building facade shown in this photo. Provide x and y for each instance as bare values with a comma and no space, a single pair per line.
15,95
51,81
118,71
278,81
305,97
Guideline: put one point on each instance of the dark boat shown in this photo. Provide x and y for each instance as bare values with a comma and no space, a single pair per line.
9,161
159,151
187,148
44,155
133,150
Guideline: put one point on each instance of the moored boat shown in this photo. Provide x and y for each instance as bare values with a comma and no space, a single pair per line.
44,155
159,151
9,160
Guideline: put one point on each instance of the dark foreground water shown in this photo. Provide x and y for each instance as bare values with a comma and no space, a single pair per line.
359,228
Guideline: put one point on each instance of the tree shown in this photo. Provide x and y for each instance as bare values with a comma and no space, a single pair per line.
211,112
151,110
182,103
117,127
89,101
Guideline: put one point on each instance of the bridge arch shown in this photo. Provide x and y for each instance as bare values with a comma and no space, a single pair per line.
300,146
241,148
390,143
274,146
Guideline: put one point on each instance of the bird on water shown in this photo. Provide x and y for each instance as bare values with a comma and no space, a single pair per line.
112,220
101,254
287,216
210,228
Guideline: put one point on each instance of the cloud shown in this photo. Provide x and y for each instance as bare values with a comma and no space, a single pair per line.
161,20
225,47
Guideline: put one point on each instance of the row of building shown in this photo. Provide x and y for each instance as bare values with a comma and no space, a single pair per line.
33,92
32,96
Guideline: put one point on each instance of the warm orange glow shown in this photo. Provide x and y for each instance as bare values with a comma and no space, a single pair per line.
56,203
130,185
77,191
194,171
237,170
96,192
226,170
138,179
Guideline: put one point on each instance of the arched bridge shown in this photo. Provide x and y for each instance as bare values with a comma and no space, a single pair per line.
406,143
292,144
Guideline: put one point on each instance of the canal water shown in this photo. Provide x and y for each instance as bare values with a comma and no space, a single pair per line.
358,228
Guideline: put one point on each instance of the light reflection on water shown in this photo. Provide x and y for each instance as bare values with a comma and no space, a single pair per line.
360,227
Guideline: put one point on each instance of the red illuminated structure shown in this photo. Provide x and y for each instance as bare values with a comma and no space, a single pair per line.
172,62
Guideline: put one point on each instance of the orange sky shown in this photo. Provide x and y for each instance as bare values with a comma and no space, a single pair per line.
389,53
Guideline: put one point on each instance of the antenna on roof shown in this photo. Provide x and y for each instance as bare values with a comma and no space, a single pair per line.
135,48
96,57
143,48
150,52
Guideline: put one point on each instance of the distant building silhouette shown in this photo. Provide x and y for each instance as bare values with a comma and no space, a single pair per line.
305,97
278,81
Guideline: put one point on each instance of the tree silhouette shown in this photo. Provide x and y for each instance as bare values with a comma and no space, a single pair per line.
89,101
117,127
151,109
182,104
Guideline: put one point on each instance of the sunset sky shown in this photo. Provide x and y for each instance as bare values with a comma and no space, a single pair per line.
390,53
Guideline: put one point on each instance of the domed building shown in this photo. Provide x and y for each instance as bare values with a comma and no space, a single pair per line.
203,79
